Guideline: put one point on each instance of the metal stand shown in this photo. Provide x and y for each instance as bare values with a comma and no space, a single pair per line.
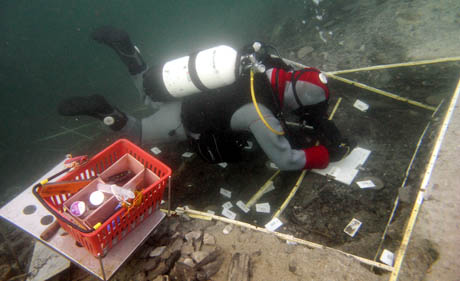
102,267
169,196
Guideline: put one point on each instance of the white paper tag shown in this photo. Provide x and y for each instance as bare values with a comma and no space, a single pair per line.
162,202
211,212
361,105
273,166
155,150
226,193
263,208
387,257
223,164
271,187
242,206
227,205
365,184
352,227
274,224
187,154
229,214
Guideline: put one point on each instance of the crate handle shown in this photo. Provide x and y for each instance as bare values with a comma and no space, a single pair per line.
51,210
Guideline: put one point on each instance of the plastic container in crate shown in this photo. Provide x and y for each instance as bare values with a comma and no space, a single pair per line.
152,179
93,215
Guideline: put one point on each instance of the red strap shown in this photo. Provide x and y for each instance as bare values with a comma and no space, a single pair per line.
316,157
307,76
273,79
279,77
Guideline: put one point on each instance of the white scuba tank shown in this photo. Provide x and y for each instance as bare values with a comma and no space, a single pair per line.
205,70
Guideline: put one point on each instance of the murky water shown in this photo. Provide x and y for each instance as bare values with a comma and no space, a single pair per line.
46,54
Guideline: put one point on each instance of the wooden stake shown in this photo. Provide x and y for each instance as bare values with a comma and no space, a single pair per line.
283,236
261,191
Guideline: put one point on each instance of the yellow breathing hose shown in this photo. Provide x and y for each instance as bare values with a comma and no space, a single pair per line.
258,110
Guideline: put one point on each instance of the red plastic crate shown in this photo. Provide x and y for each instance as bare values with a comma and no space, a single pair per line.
116,228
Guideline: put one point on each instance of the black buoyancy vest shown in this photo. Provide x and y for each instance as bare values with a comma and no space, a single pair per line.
209,114
212,111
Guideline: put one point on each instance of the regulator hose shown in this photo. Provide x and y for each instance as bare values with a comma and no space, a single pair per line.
258,110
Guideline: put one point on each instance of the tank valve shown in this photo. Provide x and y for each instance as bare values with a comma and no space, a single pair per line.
257,46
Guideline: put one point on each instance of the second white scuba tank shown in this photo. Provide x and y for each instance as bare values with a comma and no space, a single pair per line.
201,71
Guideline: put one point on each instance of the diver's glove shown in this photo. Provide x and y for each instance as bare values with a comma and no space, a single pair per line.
338,146
95,106
119,40
316,157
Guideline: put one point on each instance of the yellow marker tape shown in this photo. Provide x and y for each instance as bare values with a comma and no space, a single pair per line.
403,185
166,211
97,225
407,234
332,74
429,168
293,191
394,65
285,237
335,109
201,217
381,92
43,182
261,191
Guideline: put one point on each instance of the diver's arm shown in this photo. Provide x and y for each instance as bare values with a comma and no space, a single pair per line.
277,147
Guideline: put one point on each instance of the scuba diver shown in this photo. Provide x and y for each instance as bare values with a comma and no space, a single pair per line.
219,98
